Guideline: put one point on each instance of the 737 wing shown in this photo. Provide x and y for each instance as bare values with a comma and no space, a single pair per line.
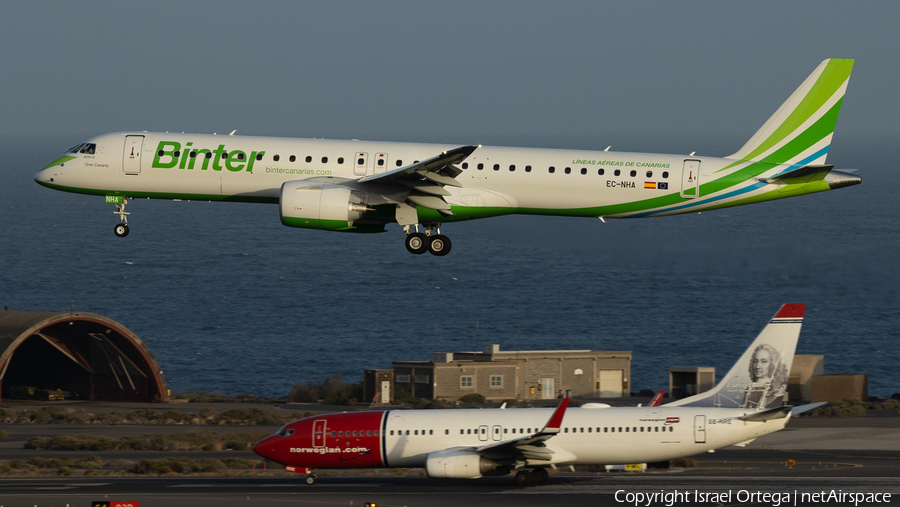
530,448
425,180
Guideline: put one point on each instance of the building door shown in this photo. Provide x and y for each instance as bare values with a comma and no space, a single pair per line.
385,391
548,388
131,162
483,432
359,168
700,429
690,179
319,433
610,383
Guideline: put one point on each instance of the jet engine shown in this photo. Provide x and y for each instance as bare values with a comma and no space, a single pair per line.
317,205
456,464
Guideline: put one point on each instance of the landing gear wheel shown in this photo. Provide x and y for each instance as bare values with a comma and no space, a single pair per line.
310,479
540,475
439,245
416,243
121,230
524,478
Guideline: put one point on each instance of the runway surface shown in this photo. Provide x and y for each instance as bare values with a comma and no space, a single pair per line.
741,476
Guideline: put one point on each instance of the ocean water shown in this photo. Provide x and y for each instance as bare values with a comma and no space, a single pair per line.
230,300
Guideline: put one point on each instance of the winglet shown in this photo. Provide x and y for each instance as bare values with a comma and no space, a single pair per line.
791,311
657,400
555,421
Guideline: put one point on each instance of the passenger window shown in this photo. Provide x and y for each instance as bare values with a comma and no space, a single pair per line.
415,432
568,170
465,165
360,161
584,170
324,160
600,171
512,167
340,433
276,158
431,432
193,154
369,433
633,173
176,154
399,163
209,154
334,433
308,159
340,160
496,167
665,174
259,156
380,162
527,168
224,155
293,158
565,430
480,166
552,169
407,432
649,174
618,172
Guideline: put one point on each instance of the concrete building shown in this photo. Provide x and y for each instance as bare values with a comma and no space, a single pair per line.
525,375
84,355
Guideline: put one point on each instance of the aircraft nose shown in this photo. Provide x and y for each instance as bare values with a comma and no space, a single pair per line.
43,176
262,449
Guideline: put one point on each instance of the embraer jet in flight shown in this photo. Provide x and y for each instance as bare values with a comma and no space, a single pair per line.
471,443
360,186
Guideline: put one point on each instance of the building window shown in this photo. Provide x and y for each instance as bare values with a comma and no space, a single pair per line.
496,380
402,378
466,381
421,379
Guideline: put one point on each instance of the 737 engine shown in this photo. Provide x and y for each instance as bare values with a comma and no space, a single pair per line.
456,464
317,205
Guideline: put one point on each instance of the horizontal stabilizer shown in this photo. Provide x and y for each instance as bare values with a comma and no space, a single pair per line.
768,415
806,408
805,173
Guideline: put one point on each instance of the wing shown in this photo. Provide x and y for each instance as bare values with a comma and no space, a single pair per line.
424,181
532,447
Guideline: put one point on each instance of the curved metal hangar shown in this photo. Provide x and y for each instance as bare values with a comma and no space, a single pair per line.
53,355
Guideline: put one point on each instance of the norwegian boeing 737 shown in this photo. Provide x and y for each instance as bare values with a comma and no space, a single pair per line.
467,444
360,186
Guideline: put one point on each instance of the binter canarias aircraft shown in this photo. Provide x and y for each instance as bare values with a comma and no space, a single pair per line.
360,186
471,443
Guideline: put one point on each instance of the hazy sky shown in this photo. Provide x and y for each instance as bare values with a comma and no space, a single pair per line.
437,71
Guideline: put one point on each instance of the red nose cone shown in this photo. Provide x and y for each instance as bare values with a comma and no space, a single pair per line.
262,449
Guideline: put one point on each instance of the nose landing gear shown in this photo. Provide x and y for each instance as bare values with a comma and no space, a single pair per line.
121,228
432,241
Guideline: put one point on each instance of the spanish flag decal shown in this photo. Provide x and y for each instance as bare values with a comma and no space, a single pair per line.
650,184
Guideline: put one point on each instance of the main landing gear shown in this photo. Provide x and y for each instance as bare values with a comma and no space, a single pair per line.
432,241
121,228
537,476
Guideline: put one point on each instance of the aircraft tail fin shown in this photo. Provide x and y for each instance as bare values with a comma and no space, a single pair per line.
759,379
800,130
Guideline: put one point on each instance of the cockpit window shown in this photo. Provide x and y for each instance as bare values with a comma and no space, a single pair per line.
74,149
284,432
88,148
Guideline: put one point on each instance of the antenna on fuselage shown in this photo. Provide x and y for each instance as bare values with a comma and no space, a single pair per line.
232,132
608,147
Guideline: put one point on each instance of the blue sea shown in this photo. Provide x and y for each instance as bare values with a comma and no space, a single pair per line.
230,300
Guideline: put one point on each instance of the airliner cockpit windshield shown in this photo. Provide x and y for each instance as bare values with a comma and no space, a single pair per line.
86,148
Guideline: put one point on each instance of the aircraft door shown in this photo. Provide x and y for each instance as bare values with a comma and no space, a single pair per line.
497,432
381,160
361,165
483,432
319,433
690,179
700,429
131,161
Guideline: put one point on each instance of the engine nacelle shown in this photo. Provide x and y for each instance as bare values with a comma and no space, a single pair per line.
453,464
316,205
